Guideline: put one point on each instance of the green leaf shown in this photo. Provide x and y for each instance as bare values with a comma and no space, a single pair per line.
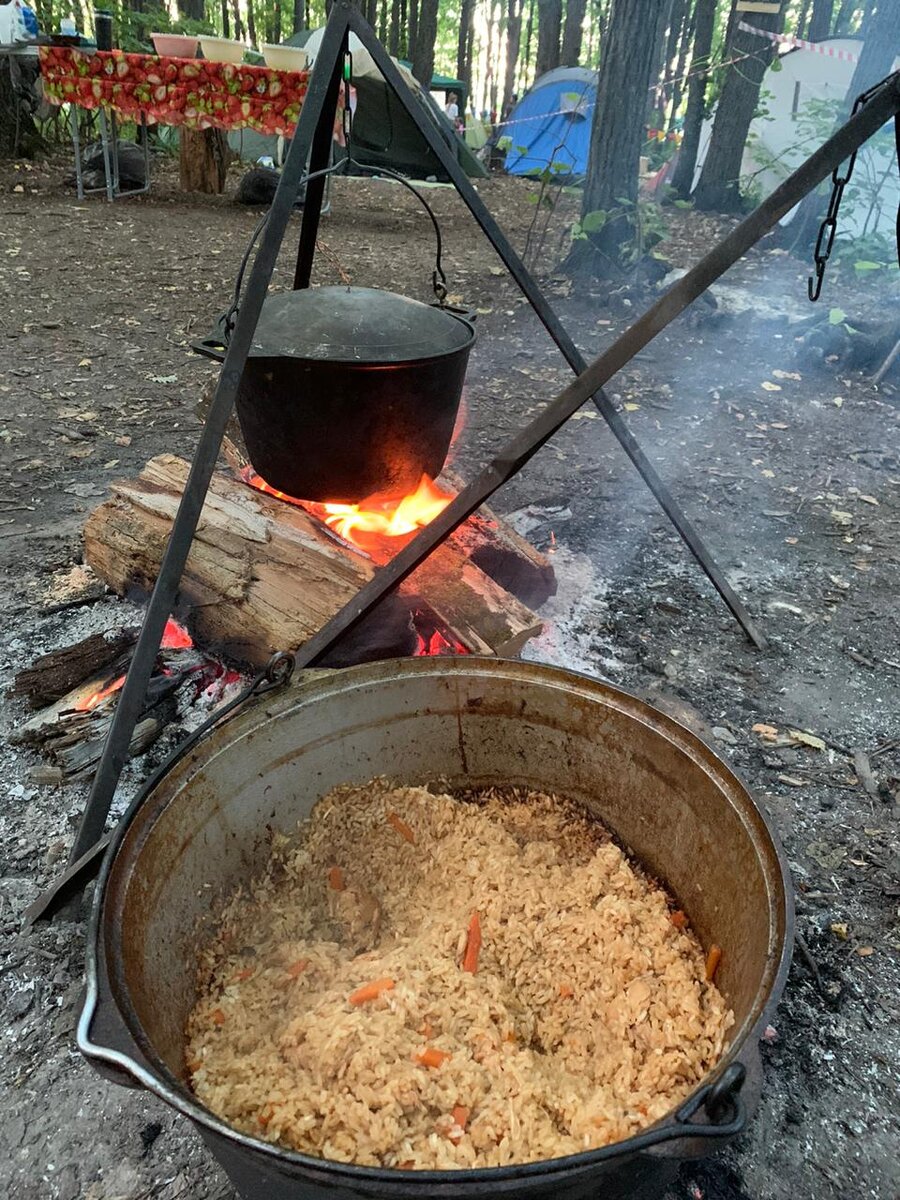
682,204
532,197
624,201
593,222
864,264
835,316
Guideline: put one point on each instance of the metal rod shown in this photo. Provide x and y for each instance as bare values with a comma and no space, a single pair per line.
131,699
887,364
104,143
554,326
76,142
319,157
527,443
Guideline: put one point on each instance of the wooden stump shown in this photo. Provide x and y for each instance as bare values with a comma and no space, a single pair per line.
203,161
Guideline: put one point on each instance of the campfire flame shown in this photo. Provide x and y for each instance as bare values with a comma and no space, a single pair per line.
175,637
89,703
388,516
436,644
382,516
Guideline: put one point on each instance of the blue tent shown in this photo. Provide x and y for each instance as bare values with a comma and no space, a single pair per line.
551,125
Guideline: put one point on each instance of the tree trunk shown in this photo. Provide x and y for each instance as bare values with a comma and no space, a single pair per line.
549,24
844,17
422,50
655,104
573,32
203,160
617,135
394,29
880,48
226,22
238,23
527,56
513,37
719,186
463,45
820,21
688,30
412,28
403,40
705,19
193,10
251,23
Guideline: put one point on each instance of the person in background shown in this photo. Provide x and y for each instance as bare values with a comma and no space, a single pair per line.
451,108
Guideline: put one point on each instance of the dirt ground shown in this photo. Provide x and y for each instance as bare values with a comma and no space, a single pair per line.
789,466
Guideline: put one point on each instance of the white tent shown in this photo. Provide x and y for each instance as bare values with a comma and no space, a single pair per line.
794,121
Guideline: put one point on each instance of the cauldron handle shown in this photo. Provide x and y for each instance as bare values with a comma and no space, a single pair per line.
216,343
722,1103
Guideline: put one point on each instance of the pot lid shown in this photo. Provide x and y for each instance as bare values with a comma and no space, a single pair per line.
355,324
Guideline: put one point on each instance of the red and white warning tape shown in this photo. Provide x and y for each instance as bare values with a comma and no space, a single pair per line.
787,39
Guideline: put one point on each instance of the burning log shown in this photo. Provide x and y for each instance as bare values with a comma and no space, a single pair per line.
51,676
265,575
485,538
70,730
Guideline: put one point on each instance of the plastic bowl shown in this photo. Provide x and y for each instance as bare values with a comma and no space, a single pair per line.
285,58
223,50
174,45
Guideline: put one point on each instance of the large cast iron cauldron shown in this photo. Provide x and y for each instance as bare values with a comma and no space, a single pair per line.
207,825
351,391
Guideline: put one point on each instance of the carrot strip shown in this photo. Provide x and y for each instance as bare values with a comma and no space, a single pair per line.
712,962
242,975
678,918
566,991
430,1056
402,828
460,1116
218,1017
194,1065
473,945
370,991
336,879
295,970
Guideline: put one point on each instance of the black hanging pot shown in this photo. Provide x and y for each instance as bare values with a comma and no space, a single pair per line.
351,391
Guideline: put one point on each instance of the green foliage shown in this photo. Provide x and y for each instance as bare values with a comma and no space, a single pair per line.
642,226
868,251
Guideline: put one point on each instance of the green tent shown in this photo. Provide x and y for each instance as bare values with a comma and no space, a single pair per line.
443,83
383,134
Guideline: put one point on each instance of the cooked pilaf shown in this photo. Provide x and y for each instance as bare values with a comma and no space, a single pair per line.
429,981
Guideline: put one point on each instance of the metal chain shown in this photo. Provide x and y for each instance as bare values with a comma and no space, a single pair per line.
828,228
